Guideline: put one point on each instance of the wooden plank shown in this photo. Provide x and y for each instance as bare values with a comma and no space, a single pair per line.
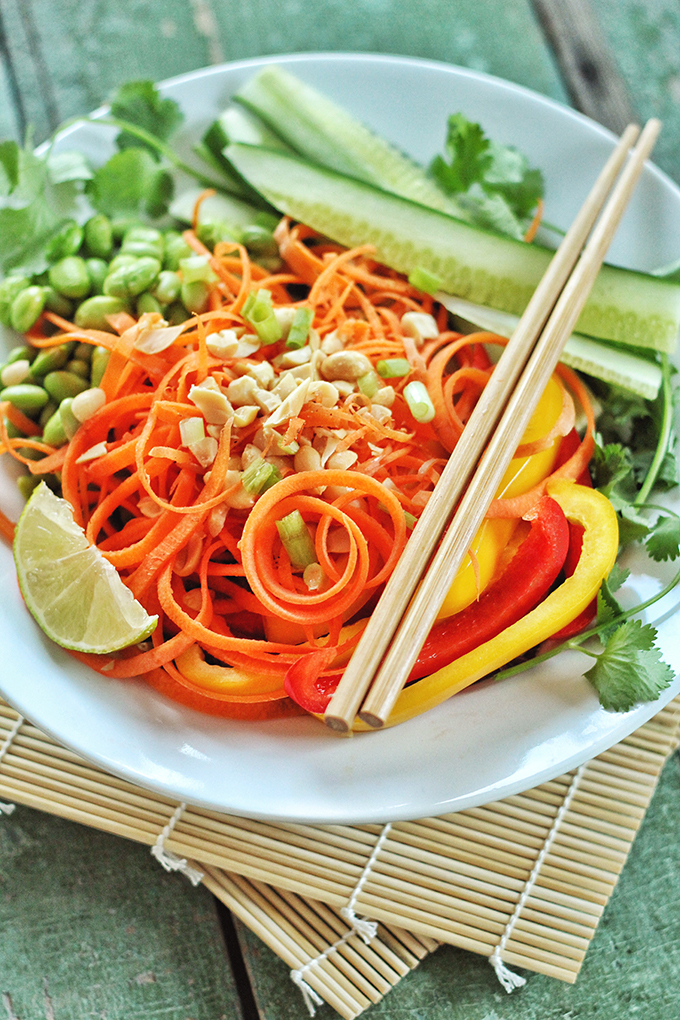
646,40
68,55
91,926
591,74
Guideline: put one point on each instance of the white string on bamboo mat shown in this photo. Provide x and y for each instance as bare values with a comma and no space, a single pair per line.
169,860
7,809
310,997
358,926
507,977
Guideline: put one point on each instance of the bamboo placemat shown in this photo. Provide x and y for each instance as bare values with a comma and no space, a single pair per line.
523,880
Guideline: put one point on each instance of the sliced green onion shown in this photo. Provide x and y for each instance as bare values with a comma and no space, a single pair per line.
258,312
297,540
424,280
263,297
259,476
369,384
410,520
393,368
299,328
418,400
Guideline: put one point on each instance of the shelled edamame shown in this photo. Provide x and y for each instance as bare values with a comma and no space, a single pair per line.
97,270
102,268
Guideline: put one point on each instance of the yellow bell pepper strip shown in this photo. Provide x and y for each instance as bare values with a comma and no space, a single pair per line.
596,515
523,473
226,682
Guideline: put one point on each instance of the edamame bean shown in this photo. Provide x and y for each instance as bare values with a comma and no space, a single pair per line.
26,308
27,397
195,296
48,410
27,483
83,352
65,242
98,270
176,314
69,421
121,226
29,453
56,302
176,249
98,236
49,360
211,232
121,260
70,276
141,241
146,302
91,314
62,384
259,240
9,289
100,359
12,431
53,430
168,287
129,281
22,351
78,367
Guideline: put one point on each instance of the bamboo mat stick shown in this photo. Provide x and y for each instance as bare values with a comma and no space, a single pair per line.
457,878
374,642
287,927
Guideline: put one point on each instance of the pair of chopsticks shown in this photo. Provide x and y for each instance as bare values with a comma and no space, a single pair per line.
388,648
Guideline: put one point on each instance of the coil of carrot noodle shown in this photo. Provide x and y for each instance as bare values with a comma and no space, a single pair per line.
233,611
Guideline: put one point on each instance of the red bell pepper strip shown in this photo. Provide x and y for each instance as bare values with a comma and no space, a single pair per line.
526,579
524,582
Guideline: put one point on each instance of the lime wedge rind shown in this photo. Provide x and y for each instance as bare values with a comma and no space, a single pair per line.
74,593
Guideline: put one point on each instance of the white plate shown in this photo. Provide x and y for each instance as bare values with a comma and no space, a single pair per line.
486,743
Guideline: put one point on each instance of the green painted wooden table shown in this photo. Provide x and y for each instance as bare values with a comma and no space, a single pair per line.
90,926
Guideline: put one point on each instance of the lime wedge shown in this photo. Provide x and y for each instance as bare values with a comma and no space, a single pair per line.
75,595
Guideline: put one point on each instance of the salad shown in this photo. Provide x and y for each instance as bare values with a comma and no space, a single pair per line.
258,413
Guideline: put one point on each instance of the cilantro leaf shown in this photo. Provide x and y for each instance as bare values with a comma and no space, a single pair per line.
468,149
67,167
629,670
612,472
131,183
140,103
633,527
663,542
608,606
492,181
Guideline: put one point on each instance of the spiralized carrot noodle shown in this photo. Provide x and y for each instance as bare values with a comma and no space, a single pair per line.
202,551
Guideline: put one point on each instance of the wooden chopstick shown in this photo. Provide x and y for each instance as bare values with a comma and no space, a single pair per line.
562,292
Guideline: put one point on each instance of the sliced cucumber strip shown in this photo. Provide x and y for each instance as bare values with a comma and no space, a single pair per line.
483,267
218,208
320,130
639,375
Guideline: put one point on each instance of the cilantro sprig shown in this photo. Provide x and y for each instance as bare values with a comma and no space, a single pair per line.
39,192
494,182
